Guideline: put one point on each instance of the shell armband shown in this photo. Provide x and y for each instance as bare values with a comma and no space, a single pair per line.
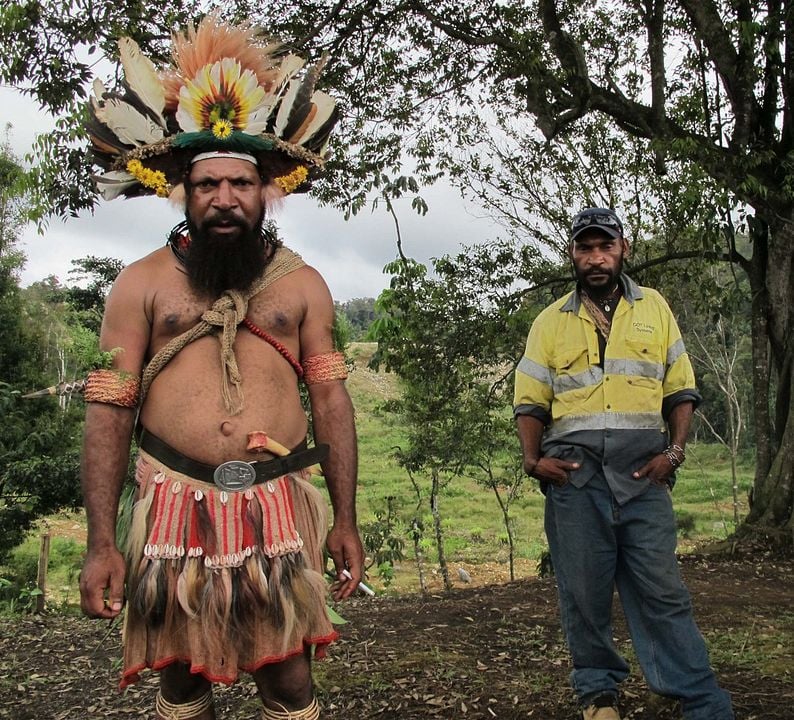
114,387
325,367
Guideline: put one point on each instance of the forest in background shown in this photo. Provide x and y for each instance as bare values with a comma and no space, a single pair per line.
676,112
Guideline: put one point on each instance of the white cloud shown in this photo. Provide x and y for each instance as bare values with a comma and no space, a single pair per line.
350,255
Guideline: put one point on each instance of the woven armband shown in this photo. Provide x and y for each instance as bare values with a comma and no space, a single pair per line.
325,367
114,387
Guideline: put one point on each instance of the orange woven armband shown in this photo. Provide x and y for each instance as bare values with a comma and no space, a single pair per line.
325,367
114,387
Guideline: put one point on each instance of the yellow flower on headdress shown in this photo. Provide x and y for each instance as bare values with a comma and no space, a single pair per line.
221,129
222,98
154,179
290,183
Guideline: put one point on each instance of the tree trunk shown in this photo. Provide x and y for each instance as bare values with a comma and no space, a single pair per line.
760,351
442,558
416,533
773,490
505,508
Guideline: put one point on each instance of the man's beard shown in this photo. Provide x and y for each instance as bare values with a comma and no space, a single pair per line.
218,262
601,289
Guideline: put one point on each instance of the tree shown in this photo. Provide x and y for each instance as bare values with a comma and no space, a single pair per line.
703,85
38,457
701,89
450,338
360,312
89,298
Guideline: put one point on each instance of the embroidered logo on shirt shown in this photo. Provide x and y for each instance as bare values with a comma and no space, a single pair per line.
643,328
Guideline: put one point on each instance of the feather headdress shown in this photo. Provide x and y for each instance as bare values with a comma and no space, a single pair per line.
227,90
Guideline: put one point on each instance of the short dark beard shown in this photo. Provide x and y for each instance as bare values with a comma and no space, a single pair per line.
599,292
216,263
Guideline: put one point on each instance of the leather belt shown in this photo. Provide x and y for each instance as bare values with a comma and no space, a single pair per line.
233,475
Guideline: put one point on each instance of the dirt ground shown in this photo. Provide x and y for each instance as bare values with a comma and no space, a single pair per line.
493,651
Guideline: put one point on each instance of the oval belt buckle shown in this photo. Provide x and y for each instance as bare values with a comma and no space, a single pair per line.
234,475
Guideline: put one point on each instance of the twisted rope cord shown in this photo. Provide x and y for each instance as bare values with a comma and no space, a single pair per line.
310,712
182,711
602,322
226,313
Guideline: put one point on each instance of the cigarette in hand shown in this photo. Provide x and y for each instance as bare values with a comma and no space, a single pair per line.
361,586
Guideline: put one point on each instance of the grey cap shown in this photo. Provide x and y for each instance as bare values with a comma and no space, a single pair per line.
603,219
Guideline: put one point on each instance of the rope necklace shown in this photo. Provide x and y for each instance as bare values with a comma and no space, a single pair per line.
225,315
179,242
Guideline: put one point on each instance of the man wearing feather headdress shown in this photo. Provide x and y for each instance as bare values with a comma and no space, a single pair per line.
222,560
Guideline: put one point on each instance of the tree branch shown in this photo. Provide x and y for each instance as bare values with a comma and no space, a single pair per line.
736,69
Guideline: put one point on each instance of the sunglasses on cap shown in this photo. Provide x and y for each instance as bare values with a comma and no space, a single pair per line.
596,217
603,218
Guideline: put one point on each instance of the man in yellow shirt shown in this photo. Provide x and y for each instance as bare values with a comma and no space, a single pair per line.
604,398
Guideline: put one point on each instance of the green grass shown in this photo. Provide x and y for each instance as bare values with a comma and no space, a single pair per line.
704,491
474,533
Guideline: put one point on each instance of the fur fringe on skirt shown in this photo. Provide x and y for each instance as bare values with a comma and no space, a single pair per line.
224,581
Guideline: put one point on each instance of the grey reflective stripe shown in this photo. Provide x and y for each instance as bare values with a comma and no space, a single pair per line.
592,376
535,371
607,421
640,368
675,351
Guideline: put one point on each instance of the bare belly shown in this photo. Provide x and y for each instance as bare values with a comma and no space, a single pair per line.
184,406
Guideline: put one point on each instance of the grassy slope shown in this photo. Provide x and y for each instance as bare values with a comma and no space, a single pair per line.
475,537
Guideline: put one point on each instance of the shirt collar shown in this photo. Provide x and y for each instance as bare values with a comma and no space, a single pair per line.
631,292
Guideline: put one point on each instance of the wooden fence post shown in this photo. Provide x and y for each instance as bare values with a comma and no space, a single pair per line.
41,581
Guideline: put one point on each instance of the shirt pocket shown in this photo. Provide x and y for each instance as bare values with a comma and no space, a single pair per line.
571,359
571,368
644,362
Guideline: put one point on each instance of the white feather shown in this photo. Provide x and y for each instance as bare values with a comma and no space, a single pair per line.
142,78
129,126
325,105
282,117
97,100
114,183
290,65
99,89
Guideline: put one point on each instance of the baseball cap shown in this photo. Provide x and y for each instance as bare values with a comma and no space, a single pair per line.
603,219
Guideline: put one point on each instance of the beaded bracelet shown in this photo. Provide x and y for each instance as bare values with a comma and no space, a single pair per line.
675,455
114,387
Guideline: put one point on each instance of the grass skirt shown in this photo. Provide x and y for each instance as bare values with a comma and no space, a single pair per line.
223,581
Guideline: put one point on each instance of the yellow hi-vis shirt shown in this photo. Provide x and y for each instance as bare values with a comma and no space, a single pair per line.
609,416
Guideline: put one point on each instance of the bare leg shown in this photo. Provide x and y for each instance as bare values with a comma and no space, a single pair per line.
286,685
178,686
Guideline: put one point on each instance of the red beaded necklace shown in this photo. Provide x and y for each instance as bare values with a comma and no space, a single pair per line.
279,347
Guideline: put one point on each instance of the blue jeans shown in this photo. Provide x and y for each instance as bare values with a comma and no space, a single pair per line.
597,545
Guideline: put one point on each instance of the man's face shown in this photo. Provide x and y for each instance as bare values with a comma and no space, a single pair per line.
226,196
598,260
225,210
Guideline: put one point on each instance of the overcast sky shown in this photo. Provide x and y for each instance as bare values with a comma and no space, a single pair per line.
350,255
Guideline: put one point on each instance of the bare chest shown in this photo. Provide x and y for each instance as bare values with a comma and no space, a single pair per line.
176,310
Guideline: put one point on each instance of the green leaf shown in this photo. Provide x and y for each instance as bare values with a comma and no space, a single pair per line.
335,617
